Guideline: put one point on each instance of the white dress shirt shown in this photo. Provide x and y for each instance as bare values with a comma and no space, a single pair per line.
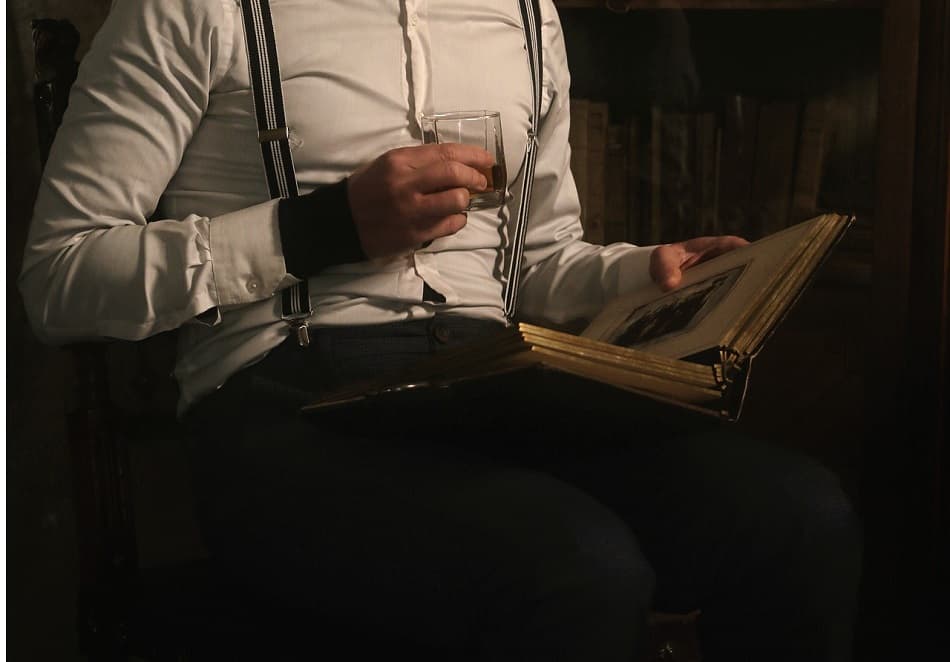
160,127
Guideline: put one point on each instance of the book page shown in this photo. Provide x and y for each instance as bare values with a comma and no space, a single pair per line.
697,315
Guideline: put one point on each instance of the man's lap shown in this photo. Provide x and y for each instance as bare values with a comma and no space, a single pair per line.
455,506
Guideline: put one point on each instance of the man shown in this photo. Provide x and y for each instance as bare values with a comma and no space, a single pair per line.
470,527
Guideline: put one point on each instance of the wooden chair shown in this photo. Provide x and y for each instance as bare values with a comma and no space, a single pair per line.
187,610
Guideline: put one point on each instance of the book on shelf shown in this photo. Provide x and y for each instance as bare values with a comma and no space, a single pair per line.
740,119
588,140
578,138
708,145
774,165
748,167
616,184
651,231
597,126
672,176
635,184
691,347
810,161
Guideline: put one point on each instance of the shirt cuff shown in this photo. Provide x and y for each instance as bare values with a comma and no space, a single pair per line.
634,271
245,255
317,231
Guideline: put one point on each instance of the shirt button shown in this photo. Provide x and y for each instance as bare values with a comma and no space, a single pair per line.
413,19
252,286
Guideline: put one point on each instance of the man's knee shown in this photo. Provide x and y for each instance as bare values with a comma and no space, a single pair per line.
810,545
584,591
821,508
828,558
585,558
600,564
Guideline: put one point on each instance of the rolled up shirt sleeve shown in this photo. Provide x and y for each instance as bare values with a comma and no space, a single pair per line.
93,265
563,277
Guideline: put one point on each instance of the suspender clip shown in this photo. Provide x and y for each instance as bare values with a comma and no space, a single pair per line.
296,310
303,332
298,326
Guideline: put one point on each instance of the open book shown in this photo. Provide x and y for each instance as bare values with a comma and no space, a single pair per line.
691,347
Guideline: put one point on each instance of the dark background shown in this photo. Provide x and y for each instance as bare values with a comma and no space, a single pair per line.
41,541
42,559
41,550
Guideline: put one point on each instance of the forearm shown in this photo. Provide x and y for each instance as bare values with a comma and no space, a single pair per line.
86,277
578,280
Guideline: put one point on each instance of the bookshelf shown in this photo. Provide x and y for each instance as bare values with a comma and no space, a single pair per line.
729,118
851,100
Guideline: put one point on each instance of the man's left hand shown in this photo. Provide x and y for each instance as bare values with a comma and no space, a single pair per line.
668,262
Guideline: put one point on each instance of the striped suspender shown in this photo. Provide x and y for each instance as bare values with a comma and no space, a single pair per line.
531,20
272,131
273,136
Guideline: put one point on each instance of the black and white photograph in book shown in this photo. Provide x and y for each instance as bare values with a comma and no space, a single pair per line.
677,312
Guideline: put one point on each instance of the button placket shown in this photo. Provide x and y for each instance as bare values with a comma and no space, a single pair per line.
412,14
418,66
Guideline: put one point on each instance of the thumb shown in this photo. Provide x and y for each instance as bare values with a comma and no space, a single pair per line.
666,264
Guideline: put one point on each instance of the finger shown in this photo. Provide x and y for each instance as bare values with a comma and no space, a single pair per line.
448,175
470,155
701,249
435,206
668,262
665,265
444,227
420,156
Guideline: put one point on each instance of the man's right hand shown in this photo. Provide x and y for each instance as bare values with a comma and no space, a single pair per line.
412,195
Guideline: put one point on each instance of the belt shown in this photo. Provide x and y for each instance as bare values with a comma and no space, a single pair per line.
340,355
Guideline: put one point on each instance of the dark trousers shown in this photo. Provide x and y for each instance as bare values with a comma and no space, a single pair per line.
542,534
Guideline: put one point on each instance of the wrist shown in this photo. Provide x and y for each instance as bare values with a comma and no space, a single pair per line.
317,230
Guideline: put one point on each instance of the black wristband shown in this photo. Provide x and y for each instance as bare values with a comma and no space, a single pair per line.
317,231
